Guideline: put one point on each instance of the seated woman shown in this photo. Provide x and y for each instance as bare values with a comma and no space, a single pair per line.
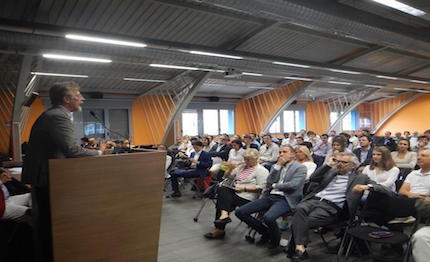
235,157
339,144
404,157
382,168
246,181
15,206
206,143
303,156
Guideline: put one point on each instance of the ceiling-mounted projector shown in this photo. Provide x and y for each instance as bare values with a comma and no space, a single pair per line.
232,73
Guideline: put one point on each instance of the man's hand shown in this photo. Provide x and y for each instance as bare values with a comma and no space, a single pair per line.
331,162
360,188
282,160
193,161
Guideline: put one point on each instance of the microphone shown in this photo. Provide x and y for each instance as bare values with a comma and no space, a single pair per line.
110,130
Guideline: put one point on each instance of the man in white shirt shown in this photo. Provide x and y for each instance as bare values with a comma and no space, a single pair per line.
269,152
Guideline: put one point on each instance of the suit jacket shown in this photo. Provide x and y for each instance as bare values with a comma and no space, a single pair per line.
51,137
223,153
205,160
292,184
357,153
325,174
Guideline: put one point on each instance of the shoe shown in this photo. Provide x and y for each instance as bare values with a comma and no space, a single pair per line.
176,194
222,222
263,240
300,255
212,235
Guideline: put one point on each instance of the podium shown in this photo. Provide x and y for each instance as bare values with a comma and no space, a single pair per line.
107,208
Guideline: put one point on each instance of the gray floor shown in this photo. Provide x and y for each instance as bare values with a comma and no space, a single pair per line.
181,239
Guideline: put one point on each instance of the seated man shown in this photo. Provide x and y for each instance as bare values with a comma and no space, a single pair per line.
16,206
332,188
219,152
269,152
200,163
364,152
285,184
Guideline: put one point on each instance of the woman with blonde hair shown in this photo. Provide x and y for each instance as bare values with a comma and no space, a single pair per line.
382,168
240,186
303,156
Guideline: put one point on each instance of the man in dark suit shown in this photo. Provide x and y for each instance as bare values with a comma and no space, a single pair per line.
200,160
285,189
51,137
364,152
220,151
336,186
389,142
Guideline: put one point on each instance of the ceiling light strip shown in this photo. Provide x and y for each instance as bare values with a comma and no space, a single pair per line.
215,54
76,58
104,40
57,74
143,80
291,64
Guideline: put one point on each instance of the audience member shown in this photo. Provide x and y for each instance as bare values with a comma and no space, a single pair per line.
285,189
247,139
338,145
290,141
364,152
321,150
301,142
16,206
303,156
389,141
254,140
269,152
323,205
200,163
206,143
382,168
404,157
162,147
235,157
414,141
423,142
241,186
219,152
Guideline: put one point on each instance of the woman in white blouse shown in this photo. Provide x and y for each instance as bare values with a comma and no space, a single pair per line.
241,186
303,156
382,168
235,157
404,157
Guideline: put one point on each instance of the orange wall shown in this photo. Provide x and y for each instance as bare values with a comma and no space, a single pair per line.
150,116
317,117
412,117
251,115
382,108
6,105
36,109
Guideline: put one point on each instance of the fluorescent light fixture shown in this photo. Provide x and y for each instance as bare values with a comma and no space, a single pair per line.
422,91
387,77
291,64
345,71
55,74
401,7
374,86
403,89
76,58
104,40
143,80
175,67
215,54
298,78
251,74
261,87
418,81
339,83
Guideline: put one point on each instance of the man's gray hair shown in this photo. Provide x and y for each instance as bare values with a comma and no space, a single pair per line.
353,158
60,90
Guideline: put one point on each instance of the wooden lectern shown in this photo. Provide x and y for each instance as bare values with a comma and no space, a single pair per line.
107,208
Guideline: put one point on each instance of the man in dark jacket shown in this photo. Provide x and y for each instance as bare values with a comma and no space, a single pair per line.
51,137
334,189
364,152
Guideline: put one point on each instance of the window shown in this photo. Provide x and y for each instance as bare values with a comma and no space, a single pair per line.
226,120
290,121
189,122
210,121
118,122
348,122
276,126
92,127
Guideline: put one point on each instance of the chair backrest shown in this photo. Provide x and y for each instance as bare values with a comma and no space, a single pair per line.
404,172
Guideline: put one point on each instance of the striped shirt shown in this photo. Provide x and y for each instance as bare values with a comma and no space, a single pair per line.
246,172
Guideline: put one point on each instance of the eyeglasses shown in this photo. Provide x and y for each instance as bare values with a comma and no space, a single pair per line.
337,161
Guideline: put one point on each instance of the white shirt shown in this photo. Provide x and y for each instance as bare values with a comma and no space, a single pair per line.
196,157
281,178
310,167
236,157
385,178
409,161
419,183
269,153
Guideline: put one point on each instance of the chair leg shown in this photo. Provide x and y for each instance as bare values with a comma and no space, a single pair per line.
348,250
341,247
408,252
202,205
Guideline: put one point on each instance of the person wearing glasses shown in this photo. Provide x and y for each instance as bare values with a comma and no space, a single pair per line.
334,189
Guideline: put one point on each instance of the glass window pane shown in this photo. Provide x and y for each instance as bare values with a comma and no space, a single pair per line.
118,120
333,117
346,122
289,121
189,123
276,126
297,121
210,121
226,121
92,126
302,120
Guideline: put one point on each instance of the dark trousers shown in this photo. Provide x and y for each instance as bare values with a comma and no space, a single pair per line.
227,200
42,224
381,208
310,214
276,206
187,173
